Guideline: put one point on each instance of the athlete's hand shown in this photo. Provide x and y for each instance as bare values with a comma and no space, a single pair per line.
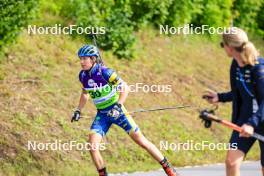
76,115
115,111
211,96
247,131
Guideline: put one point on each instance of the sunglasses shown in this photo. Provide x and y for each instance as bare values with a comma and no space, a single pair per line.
222,44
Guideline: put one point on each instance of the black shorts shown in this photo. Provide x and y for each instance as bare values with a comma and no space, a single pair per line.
244,144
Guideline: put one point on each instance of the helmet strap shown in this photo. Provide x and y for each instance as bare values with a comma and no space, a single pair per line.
90,70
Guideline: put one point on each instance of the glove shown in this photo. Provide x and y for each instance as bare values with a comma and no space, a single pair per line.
76,115
116,111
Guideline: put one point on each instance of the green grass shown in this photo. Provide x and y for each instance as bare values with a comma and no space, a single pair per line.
40,108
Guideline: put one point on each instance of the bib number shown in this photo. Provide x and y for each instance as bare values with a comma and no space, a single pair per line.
95,94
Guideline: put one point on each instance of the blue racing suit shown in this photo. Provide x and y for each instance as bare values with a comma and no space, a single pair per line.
102,84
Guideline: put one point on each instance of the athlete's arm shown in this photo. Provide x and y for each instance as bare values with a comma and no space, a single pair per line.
258,117
225,97
83,100
214,97
77,113
84,95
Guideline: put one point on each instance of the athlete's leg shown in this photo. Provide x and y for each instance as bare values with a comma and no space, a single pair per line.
140,139
236,155
261,145
95,140
233,161
99,128
126,122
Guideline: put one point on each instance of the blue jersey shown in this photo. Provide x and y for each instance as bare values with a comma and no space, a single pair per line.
247,93
102,84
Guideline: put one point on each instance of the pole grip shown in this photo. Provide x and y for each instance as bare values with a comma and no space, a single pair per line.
234,126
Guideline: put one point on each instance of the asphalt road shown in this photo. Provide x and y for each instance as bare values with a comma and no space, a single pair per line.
247,169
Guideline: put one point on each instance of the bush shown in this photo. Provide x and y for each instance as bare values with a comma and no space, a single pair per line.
14,15
115,16
149,11
246,12
215,13
183,12
119,33
123,17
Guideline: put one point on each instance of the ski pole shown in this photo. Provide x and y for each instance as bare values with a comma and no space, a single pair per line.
95,44
160,109
152,109
208,116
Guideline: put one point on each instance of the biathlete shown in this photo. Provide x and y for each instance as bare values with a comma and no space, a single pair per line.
247,96
109,92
